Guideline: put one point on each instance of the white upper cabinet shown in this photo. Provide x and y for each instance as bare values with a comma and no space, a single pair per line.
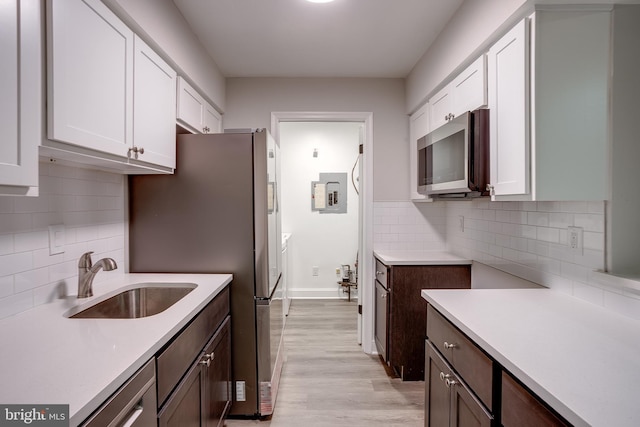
194,112
418,127
549,100
90,76
21,100
110,96
154,110
508,73
466,92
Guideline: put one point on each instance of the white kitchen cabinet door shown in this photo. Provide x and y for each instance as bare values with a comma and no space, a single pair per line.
469,89
90,76
212,121
440,108
508,75
466,92
418,127
194,112
190,106
21,100
154,110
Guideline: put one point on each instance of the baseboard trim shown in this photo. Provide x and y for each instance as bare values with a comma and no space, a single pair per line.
320,293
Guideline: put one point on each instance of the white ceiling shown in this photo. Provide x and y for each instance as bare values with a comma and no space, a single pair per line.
295,38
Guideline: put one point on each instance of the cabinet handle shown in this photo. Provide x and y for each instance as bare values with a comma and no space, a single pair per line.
206,129
135,151
448,346
210,356
383,296
449,383
490,189
205,362
379,272
444,376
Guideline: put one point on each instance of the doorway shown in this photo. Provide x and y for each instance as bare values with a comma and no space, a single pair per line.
319,280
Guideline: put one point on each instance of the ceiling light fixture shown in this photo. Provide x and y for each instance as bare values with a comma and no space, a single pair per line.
320,1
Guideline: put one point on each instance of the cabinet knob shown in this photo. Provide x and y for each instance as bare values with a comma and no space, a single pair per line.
379,272
490,189
449,346
450,383
444,376
206,362
135,150
210,356
383,296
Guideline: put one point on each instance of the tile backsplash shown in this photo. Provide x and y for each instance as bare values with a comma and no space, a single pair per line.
90,205
526,239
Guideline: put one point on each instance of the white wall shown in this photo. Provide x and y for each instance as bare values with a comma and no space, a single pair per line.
162,25
250,102
91,206
323,240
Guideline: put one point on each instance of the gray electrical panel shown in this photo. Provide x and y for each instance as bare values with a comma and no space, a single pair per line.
329,193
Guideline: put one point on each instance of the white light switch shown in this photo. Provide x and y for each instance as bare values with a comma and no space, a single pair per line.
56,239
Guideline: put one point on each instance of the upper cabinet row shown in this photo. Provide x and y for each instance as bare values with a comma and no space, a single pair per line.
111,101
548,90
194,112
107,90
466,92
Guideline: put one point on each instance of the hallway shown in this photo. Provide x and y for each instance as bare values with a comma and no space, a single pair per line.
328,381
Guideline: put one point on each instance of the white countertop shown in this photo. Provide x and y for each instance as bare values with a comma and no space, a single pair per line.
583,360
400,257
46,358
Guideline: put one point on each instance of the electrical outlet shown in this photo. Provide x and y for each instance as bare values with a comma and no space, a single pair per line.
575,239
315,270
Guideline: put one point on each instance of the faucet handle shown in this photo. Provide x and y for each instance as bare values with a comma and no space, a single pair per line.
85,260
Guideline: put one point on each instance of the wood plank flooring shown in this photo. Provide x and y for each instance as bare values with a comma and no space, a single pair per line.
328,381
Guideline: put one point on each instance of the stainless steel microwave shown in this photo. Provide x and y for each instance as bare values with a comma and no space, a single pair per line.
453,160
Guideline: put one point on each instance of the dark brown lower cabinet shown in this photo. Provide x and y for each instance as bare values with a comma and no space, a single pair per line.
520,408
466,387
448,400
401,311
203,396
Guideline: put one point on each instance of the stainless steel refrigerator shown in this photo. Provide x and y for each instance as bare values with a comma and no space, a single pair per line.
220,213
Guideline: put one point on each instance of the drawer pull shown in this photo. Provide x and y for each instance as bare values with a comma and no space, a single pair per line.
379,272
448,346
206,362
444,376
449,383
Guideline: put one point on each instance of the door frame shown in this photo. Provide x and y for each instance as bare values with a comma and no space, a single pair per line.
365,245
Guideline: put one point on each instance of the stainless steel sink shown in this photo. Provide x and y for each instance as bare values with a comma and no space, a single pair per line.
143,300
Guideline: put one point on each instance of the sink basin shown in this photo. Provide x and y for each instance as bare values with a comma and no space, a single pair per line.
142,300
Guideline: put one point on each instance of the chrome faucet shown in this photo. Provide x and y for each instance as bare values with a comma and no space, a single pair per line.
87,271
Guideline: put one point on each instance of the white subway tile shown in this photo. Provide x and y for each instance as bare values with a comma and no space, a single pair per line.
6,285
548,234
540,219
15,304
31,279
6,244
31,241
15,263
590,222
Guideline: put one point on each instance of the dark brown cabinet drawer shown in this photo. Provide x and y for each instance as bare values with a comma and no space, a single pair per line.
382,274
473,365
174,361
522,409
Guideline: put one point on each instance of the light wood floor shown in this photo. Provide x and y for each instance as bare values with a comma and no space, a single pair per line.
328,381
